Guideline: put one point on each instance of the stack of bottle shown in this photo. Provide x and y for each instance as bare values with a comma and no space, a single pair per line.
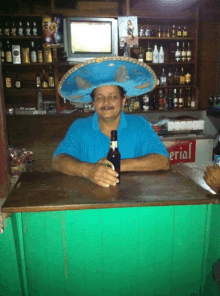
20,29
176,77
26,54
163,31
41,81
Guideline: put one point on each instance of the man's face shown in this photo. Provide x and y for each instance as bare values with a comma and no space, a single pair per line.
108,102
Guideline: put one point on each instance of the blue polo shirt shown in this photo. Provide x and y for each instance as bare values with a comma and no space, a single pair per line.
86,142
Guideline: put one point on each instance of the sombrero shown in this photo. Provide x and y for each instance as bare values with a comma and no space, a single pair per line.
135,77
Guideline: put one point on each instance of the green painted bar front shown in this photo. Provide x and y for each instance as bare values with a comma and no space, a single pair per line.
168,250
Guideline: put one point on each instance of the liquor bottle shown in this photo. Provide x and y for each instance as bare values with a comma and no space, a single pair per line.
6,30
28,29
18,83
188,53
34,29
16,54
177,53
141,31
179,32
176,77
8,53
147,31
173,31
161,55
159,32
170,99
51,83
161,101
166,99
181,99
188,97
155,102
8,80
187,77
175,99
193,102
125,51
170,77
2,53
20,29
163,78
39,54
38,80
1,29
216,152
141,55
136,104
163,34
114,156
44,82
13,30
148,54
146,103
33,53
185,32
183,53
167,32
155,55
182,77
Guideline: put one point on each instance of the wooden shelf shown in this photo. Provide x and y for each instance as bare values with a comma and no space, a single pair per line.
170,38
176,86
29,91
26,65
20,37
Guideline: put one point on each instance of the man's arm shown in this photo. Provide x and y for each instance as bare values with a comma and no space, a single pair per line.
97,173
151,162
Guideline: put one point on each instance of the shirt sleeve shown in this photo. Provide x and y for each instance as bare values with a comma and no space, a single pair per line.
149,142
71,144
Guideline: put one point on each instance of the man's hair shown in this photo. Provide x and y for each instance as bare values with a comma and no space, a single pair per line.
122,92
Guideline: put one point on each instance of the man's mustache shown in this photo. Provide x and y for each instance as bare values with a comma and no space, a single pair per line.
107,108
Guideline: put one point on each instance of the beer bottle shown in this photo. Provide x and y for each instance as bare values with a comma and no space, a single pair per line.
114,156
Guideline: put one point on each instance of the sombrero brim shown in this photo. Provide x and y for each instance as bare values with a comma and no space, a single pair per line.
135,77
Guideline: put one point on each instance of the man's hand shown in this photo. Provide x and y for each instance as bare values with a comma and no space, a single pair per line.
102,175
212,177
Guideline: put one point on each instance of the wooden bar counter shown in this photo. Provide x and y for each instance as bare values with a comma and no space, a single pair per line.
155,233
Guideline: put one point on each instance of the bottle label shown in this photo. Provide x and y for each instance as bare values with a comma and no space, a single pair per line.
34,31
185,33
13,32
140,59
149,56
8,82
33,57
188,78
25,55
179,33
8,57
6,32
44,84
114,144
193,104
217,159
155,58
28,31
38,81
40,56
18,84
51,82
20,31
182,79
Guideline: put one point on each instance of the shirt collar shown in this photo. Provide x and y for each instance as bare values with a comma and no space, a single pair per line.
122,123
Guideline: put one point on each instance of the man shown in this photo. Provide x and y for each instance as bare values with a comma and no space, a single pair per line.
85,147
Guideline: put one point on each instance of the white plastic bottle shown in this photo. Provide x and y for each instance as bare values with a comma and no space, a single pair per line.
155,55
161,55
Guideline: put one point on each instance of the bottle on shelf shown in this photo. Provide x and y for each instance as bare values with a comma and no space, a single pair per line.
141,55
6,30
159,32
167,34
185,32
125,51
174,31
166,99
148,54
170,77
163,34
2,53
1,29
40,54
20,29
181,99
188,98
8,83
18,83
175,99
33,53
161,101
44,82
25,55
216,152
155,102
193,102
146,103
28,29
189,53
170,99
188,77
179,32
38,80
51,82
177,53
176,77
141,32
114,156
34,29
155,55
161,55
16,54
147,31
136,104
13,30
182,77
183,53
163,78
8,52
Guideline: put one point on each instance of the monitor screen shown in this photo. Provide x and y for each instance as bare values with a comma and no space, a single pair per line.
86,38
